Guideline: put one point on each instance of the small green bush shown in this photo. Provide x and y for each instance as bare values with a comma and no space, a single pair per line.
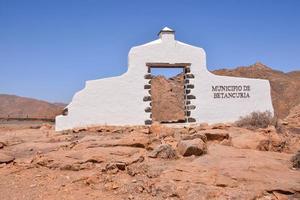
256,120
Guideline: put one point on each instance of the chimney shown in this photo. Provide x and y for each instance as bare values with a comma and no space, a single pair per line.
167,34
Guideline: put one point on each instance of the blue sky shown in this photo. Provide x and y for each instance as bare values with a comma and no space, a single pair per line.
49,48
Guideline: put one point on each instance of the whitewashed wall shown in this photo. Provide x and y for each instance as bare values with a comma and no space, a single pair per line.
119,100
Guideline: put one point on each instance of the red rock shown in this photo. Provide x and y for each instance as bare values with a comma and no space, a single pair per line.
215,134
164,151
201,136
4,158
168,99
191,147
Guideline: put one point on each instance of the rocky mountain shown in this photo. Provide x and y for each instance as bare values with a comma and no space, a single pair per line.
22,107
285,87
168,98
167,95
168,102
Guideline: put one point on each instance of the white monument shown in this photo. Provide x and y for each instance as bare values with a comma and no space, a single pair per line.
126,100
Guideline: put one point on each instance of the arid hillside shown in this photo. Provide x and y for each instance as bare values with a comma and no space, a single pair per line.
292,121
168,98
285,87
22,107
167,94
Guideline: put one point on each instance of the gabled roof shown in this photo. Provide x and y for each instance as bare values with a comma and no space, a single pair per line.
166,30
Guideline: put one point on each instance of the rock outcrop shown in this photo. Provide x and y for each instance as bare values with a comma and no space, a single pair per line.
292,121
164,151
191,147
4,158
141,162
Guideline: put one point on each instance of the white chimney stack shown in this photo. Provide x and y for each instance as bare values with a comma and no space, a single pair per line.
167,34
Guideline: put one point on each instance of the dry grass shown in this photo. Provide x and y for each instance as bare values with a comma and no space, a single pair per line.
256,120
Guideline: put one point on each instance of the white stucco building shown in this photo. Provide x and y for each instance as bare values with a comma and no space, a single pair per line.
125,99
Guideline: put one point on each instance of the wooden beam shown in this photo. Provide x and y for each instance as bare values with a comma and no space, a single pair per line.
168,65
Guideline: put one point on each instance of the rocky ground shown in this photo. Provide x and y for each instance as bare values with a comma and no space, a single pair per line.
148,162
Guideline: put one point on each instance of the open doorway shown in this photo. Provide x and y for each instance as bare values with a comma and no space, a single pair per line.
169,91
167,95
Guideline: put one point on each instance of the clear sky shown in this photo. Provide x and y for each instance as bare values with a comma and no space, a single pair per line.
49,48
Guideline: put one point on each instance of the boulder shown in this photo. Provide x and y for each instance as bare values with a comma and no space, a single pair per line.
249,140
191,147
215,134
273,141
134,140
194,136
263,140
4,158
278,144
164,151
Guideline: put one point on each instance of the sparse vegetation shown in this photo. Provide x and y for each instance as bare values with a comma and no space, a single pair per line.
256,120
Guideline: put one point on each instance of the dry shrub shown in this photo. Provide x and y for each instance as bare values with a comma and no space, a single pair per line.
256,120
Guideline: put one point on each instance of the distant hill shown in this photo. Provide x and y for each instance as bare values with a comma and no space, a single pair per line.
285,91
168,98
22,107
285,87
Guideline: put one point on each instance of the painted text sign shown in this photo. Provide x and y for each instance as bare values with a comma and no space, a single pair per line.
230,91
